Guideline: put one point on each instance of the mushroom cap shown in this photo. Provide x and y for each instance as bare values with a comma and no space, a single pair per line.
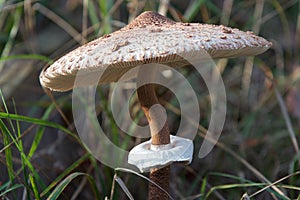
149,38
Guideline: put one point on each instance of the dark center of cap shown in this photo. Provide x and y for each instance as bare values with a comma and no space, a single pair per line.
149,19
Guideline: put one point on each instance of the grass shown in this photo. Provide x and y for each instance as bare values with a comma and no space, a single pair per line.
257,156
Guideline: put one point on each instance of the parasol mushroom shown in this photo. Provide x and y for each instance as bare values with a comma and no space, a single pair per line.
150,38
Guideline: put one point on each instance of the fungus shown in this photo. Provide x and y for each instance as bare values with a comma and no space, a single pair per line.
150,38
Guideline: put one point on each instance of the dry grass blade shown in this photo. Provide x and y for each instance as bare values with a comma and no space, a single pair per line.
144,177
123,186
225,17
280,180
274,13
287,121
50,95
115,7
257,153
245,197
297,35
59,21
203,134
82,184
84,21
226,11
30,128
246,81
243,161
163,7
8,7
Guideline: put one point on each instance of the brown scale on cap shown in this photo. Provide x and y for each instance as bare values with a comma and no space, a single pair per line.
149,19
149,38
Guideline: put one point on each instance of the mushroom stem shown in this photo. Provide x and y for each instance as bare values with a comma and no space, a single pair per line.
160,133
148,100
161,177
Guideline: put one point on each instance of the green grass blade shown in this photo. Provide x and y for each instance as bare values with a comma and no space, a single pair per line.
4,185
34,187
24,158
93,14
232,186
102,181
294,179
65,173
36,141
242,180
16,141
60,188
21,149
40,132
246,184
6,110
39,122
32,169
203,185
105,6
8,153
12,35
12,188
193,10
276,182
292,187
27,56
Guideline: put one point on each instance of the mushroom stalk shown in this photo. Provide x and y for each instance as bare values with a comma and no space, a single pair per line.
159,136
148,100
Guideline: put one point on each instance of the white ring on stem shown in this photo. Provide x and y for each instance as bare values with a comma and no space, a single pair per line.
146,156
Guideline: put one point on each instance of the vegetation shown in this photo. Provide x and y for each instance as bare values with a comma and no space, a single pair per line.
257,156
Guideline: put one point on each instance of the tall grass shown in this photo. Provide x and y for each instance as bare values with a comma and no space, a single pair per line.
257,156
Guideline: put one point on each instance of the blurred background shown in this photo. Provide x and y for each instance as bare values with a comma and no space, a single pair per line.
41,156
